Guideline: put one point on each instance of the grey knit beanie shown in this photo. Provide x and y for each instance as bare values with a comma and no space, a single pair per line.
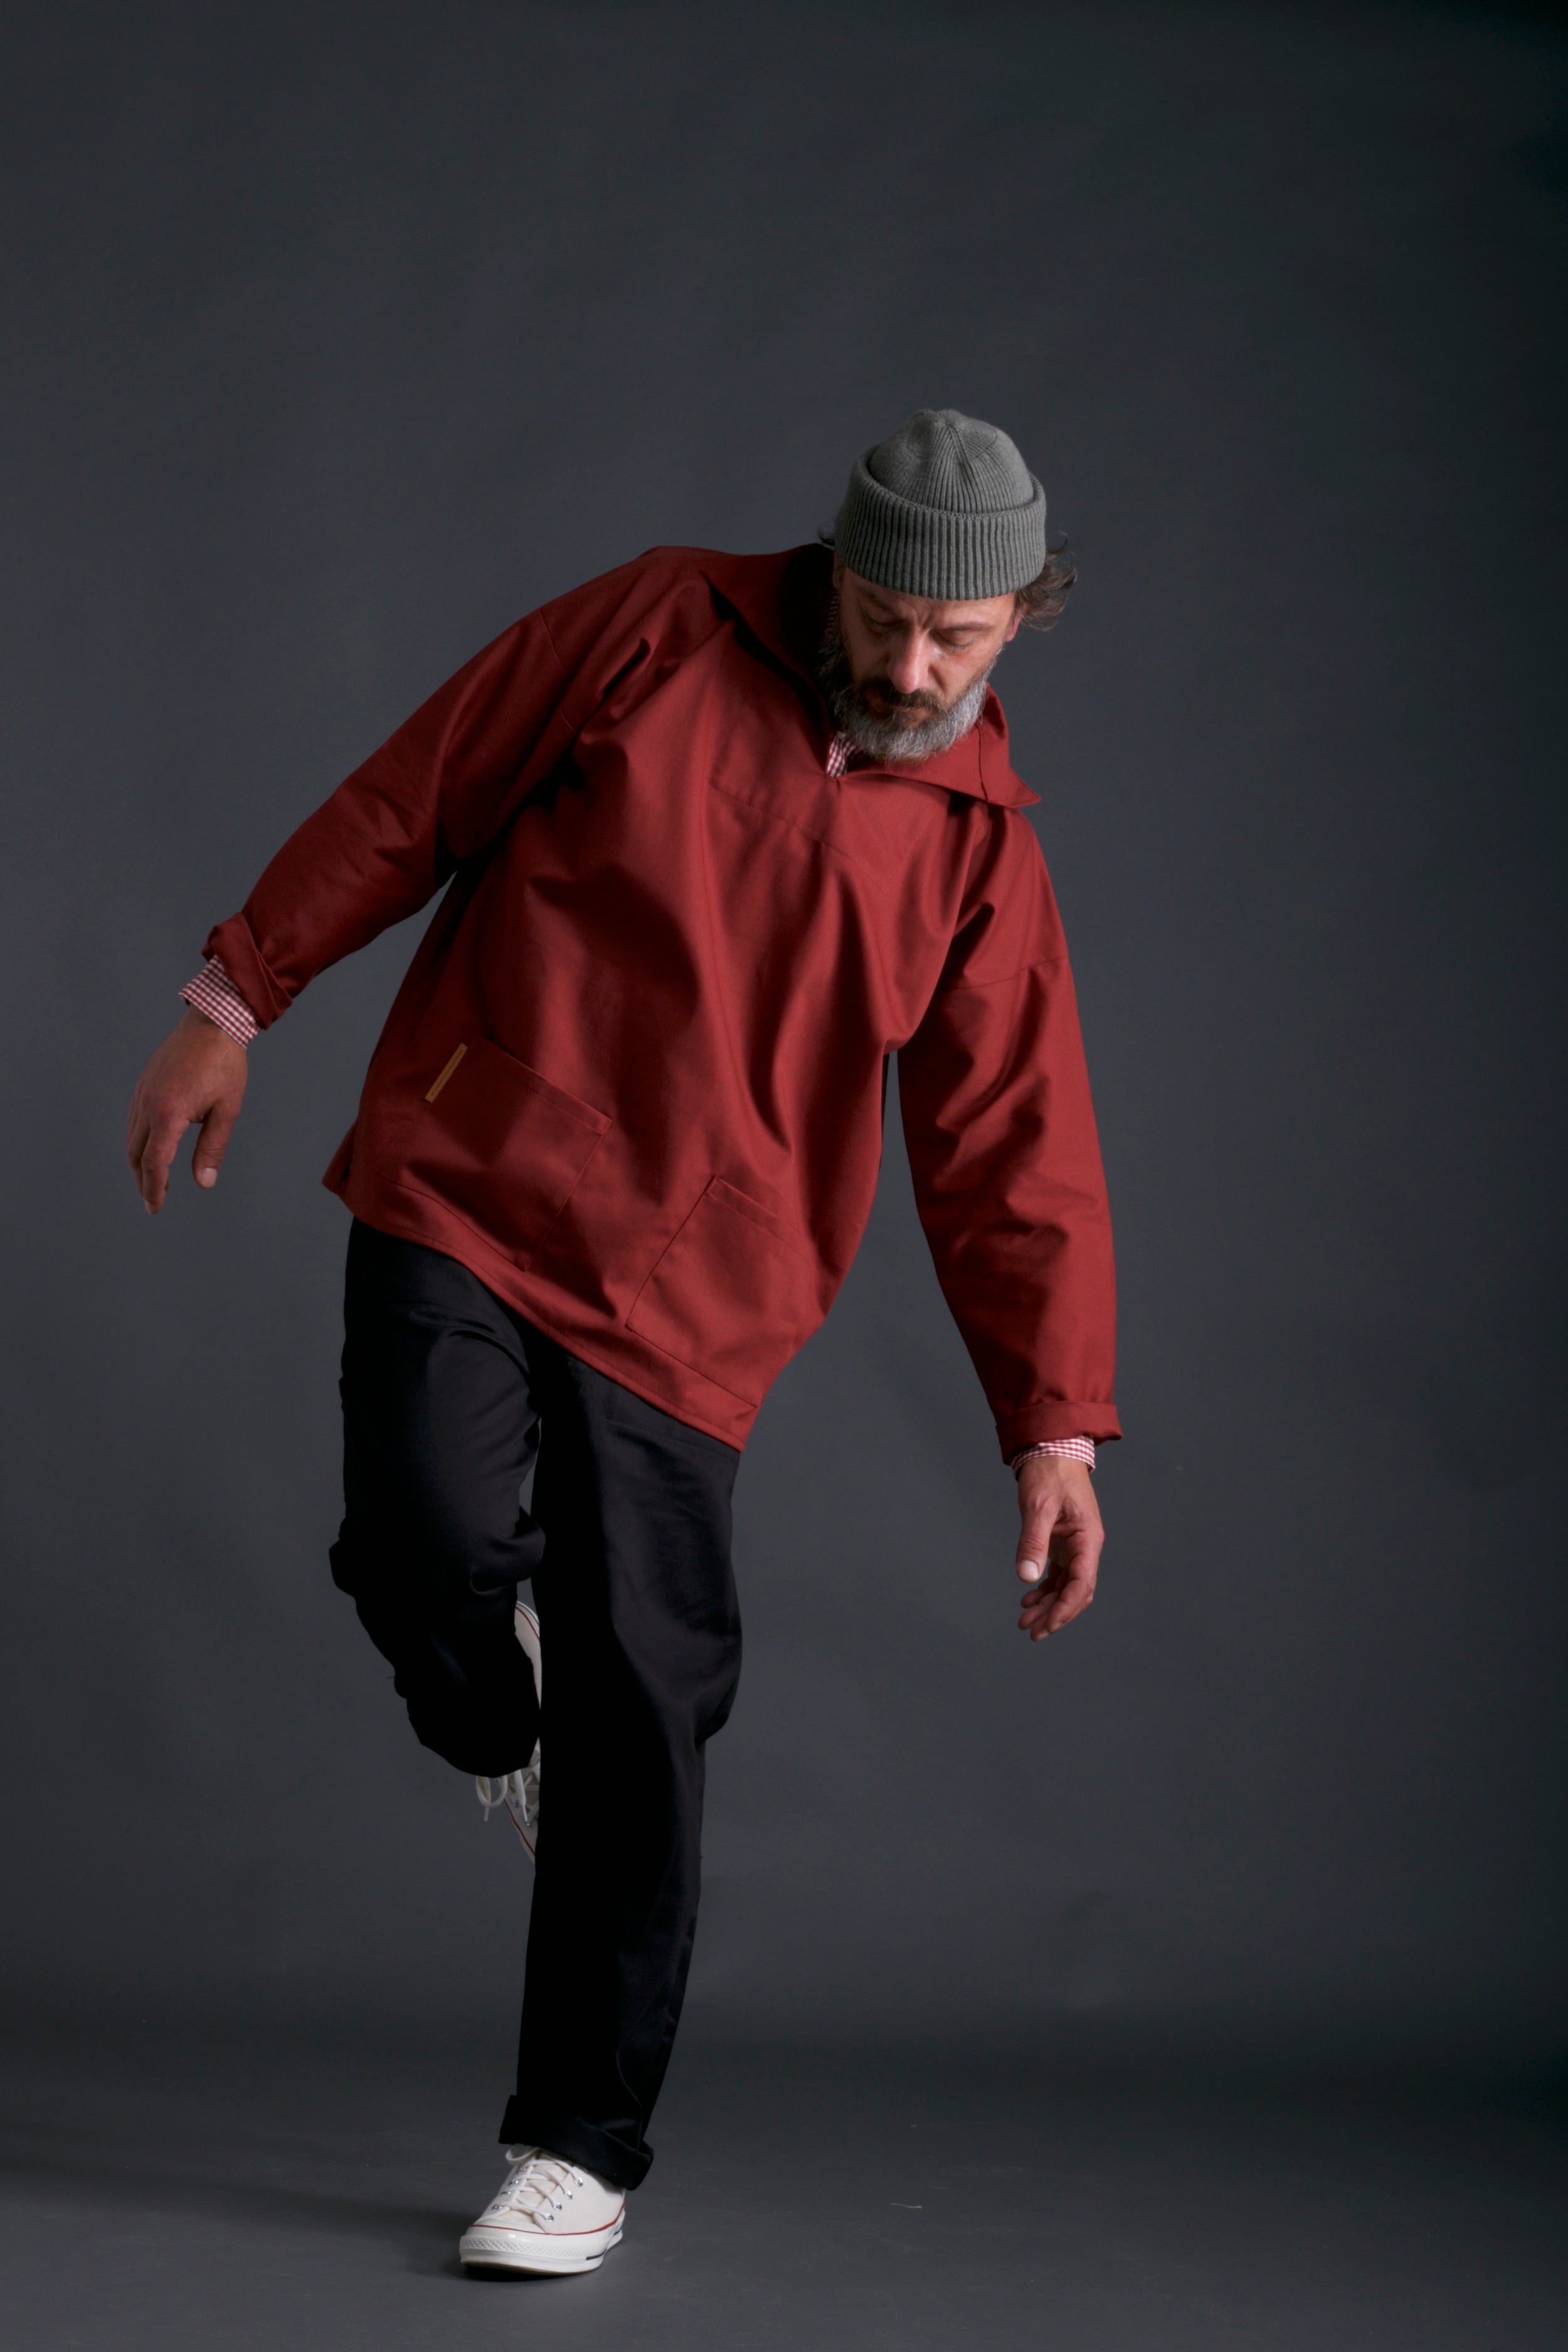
945,507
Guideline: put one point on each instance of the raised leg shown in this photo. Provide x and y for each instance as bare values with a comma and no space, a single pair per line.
439,1431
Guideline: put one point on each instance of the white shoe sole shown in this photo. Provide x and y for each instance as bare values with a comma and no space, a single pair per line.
551,2255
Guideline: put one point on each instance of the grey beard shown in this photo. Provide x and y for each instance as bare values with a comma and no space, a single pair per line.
885,739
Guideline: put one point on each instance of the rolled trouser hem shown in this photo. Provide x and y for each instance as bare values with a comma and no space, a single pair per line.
579,2142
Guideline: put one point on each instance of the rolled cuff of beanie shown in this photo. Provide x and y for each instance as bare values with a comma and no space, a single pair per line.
938,551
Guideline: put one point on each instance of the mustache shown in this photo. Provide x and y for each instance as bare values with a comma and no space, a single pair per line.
882,690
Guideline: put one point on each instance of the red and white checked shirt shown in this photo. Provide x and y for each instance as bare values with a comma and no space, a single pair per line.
213,993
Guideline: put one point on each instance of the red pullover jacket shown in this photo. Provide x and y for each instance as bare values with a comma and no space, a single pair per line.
634,1077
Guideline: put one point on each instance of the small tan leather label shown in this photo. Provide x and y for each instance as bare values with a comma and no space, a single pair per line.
446,1074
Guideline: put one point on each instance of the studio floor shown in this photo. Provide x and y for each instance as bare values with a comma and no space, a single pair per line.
268,2189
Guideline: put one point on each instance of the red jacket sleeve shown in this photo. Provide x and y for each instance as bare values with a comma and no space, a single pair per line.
439,791
1001,1143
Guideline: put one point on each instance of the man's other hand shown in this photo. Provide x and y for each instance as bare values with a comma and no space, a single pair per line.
1059,1545
196,1076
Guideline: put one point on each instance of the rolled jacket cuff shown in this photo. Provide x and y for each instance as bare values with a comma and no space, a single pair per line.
232,945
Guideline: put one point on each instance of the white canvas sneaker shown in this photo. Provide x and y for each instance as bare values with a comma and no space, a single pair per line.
549,2215
518,1792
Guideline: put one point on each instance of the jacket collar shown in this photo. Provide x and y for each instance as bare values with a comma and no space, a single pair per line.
782,600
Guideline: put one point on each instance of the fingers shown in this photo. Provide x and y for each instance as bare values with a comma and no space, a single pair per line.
156,1159
213,1142
136,1131
196,1076
1067,1587
1059,1545
1040,1517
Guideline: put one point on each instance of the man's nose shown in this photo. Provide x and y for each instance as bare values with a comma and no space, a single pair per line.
907,665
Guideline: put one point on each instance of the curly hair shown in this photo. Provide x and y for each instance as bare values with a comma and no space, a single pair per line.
1041,600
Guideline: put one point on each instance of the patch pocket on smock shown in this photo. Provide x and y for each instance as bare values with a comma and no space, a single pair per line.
732,1295
501,1145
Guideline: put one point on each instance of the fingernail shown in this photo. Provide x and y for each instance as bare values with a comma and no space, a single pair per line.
207,1177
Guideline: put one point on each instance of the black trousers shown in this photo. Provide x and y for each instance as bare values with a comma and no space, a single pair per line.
448,1397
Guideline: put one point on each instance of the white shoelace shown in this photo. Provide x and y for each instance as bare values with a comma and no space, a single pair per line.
518,1792
539,2187
514,1788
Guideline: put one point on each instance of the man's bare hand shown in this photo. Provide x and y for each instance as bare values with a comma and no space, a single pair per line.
1059,1547
196,1076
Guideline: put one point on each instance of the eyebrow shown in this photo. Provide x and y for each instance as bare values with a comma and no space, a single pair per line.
942,628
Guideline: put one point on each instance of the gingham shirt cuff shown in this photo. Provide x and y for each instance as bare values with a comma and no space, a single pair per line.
1066,1449
213,992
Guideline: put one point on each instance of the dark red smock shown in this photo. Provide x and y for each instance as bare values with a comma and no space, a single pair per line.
677,953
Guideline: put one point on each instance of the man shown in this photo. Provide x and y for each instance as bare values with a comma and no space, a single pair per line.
720,835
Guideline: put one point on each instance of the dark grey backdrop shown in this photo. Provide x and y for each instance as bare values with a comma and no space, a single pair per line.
340,334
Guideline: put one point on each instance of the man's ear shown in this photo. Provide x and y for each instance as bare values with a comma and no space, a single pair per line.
1015,624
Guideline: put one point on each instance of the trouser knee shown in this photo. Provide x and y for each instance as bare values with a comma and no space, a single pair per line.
457,1665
